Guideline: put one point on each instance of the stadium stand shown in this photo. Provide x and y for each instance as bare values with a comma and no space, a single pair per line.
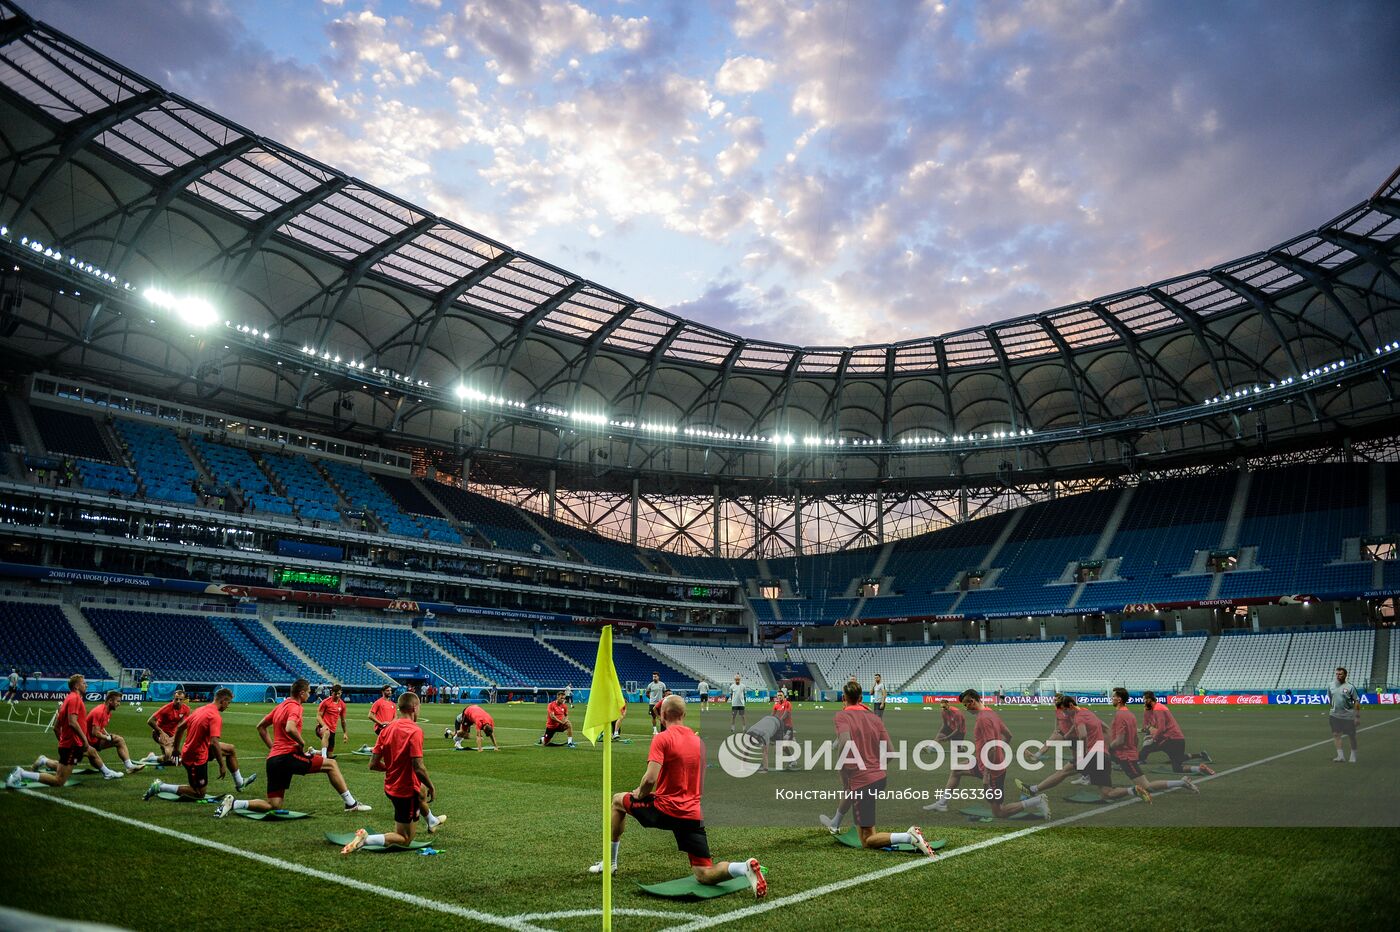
106,477
1244,660
896,665
254,631
35,637
174,646
163,469
631,663
719,664
499,523
363,492
412,502
10,437
1097,663
1313,658
344,649
71,434
1010,665
235,468
493,670
307,489
270,668
530,662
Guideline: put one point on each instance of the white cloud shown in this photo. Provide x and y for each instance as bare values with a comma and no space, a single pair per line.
744,75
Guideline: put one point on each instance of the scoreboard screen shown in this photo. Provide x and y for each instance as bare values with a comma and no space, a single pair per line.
290,577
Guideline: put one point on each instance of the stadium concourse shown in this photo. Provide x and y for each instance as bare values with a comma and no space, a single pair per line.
313,505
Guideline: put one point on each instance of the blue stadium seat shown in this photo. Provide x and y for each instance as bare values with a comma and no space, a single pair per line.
35,637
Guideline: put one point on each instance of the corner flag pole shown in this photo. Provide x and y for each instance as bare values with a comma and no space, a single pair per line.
605,700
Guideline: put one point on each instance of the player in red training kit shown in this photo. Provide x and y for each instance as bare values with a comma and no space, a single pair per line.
329,714
288,757
1122,744
70,728
473,716
398,754
1165,736
862,776
992,757
556,719
100,739
668,798
202,731
382,711
163,722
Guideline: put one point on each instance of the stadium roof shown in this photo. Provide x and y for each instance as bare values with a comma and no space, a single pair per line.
157,190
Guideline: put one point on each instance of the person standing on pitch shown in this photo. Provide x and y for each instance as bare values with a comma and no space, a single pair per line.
703,688
878,695
382,710
12,686
1345,714
654,691
991,759
398,754
736,704
669,797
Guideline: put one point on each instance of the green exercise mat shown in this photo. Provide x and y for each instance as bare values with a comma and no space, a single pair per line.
35,784
851,839
983,811
276,815
177,798
363,753
1085,796
342,839
688,888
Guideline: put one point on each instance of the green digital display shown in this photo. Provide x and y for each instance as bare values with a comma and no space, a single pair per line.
289,577
700,592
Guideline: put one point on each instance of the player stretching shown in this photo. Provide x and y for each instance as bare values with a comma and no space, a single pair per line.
100,739
288,756
954,723
472,715
878,695
70,728
655,691
163,722
703,688
556,719
398,754
1084,731
736,704
1345,714
201,731
991,761
668,798
329,713
861,738
1123,744
1165,736
782,708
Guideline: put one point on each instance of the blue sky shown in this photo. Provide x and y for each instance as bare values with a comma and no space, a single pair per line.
825,173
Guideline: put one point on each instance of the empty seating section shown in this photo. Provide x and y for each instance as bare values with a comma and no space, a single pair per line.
307,489
920,576
719,664
534,664
1246,661
818,610
632,663
1314,656
35,637
163,468
270,669
764,610
1297,517
592,547
173,646
498,522
362,492
896,665
235,468
343,650
1161,664
68,433
275,649
492,670
414,503
988,666
9,430
702,567
106,477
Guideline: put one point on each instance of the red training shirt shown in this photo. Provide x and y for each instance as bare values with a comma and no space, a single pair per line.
991,728
383,710
867,734
97,721
331,712
204,725
556,713
1125,727
168,718
1093,730
478,717
72,705
783,709
1162,719
399,742
288,711
681,754
954,721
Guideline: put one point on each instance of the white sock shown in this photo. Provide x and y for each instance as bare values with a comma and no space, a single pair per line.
106,770
44,761
616,845
1340,755
169,788
129,764
901,838
738,868
349,798
240,804
28,775
432,819
238,779
457,745
1353,757
375,840
1175,784
836,819
1033,789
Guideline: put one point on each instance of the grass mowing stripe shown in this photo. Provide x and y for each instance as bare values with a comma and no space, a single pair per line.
504,922
838,885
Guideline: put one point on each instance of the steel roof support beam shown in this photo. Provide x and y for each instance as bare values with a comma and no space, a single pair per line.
272,222
832,414
1377,256
941,352
653,363
526,325
1076,375
595,342
887,414
363,263
1014,401
1135,348
722,380
1317,277
1265,306
1194,324
74,137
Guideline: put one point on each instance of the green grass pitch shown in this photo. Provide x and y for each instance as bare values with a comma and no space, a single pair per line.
524,824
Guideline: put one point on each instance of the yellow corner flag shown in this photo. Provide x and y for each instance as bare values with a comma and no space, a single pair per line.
605,700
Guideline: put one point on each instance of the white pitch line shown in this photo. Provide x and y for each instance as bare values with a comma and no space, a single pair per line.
505,922
837,885
584,913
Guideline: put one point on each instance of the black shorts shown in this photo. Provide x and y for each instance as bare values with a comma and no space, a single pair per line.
863,802
1342,726
994,782
1132,768
551,730
1098,770
689,833
405,808
67,757
330,741
378,727
197,775
283,767
1174,748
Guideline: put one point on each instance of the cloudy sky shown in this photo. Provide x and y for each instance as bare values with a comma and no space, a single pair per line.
832,172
